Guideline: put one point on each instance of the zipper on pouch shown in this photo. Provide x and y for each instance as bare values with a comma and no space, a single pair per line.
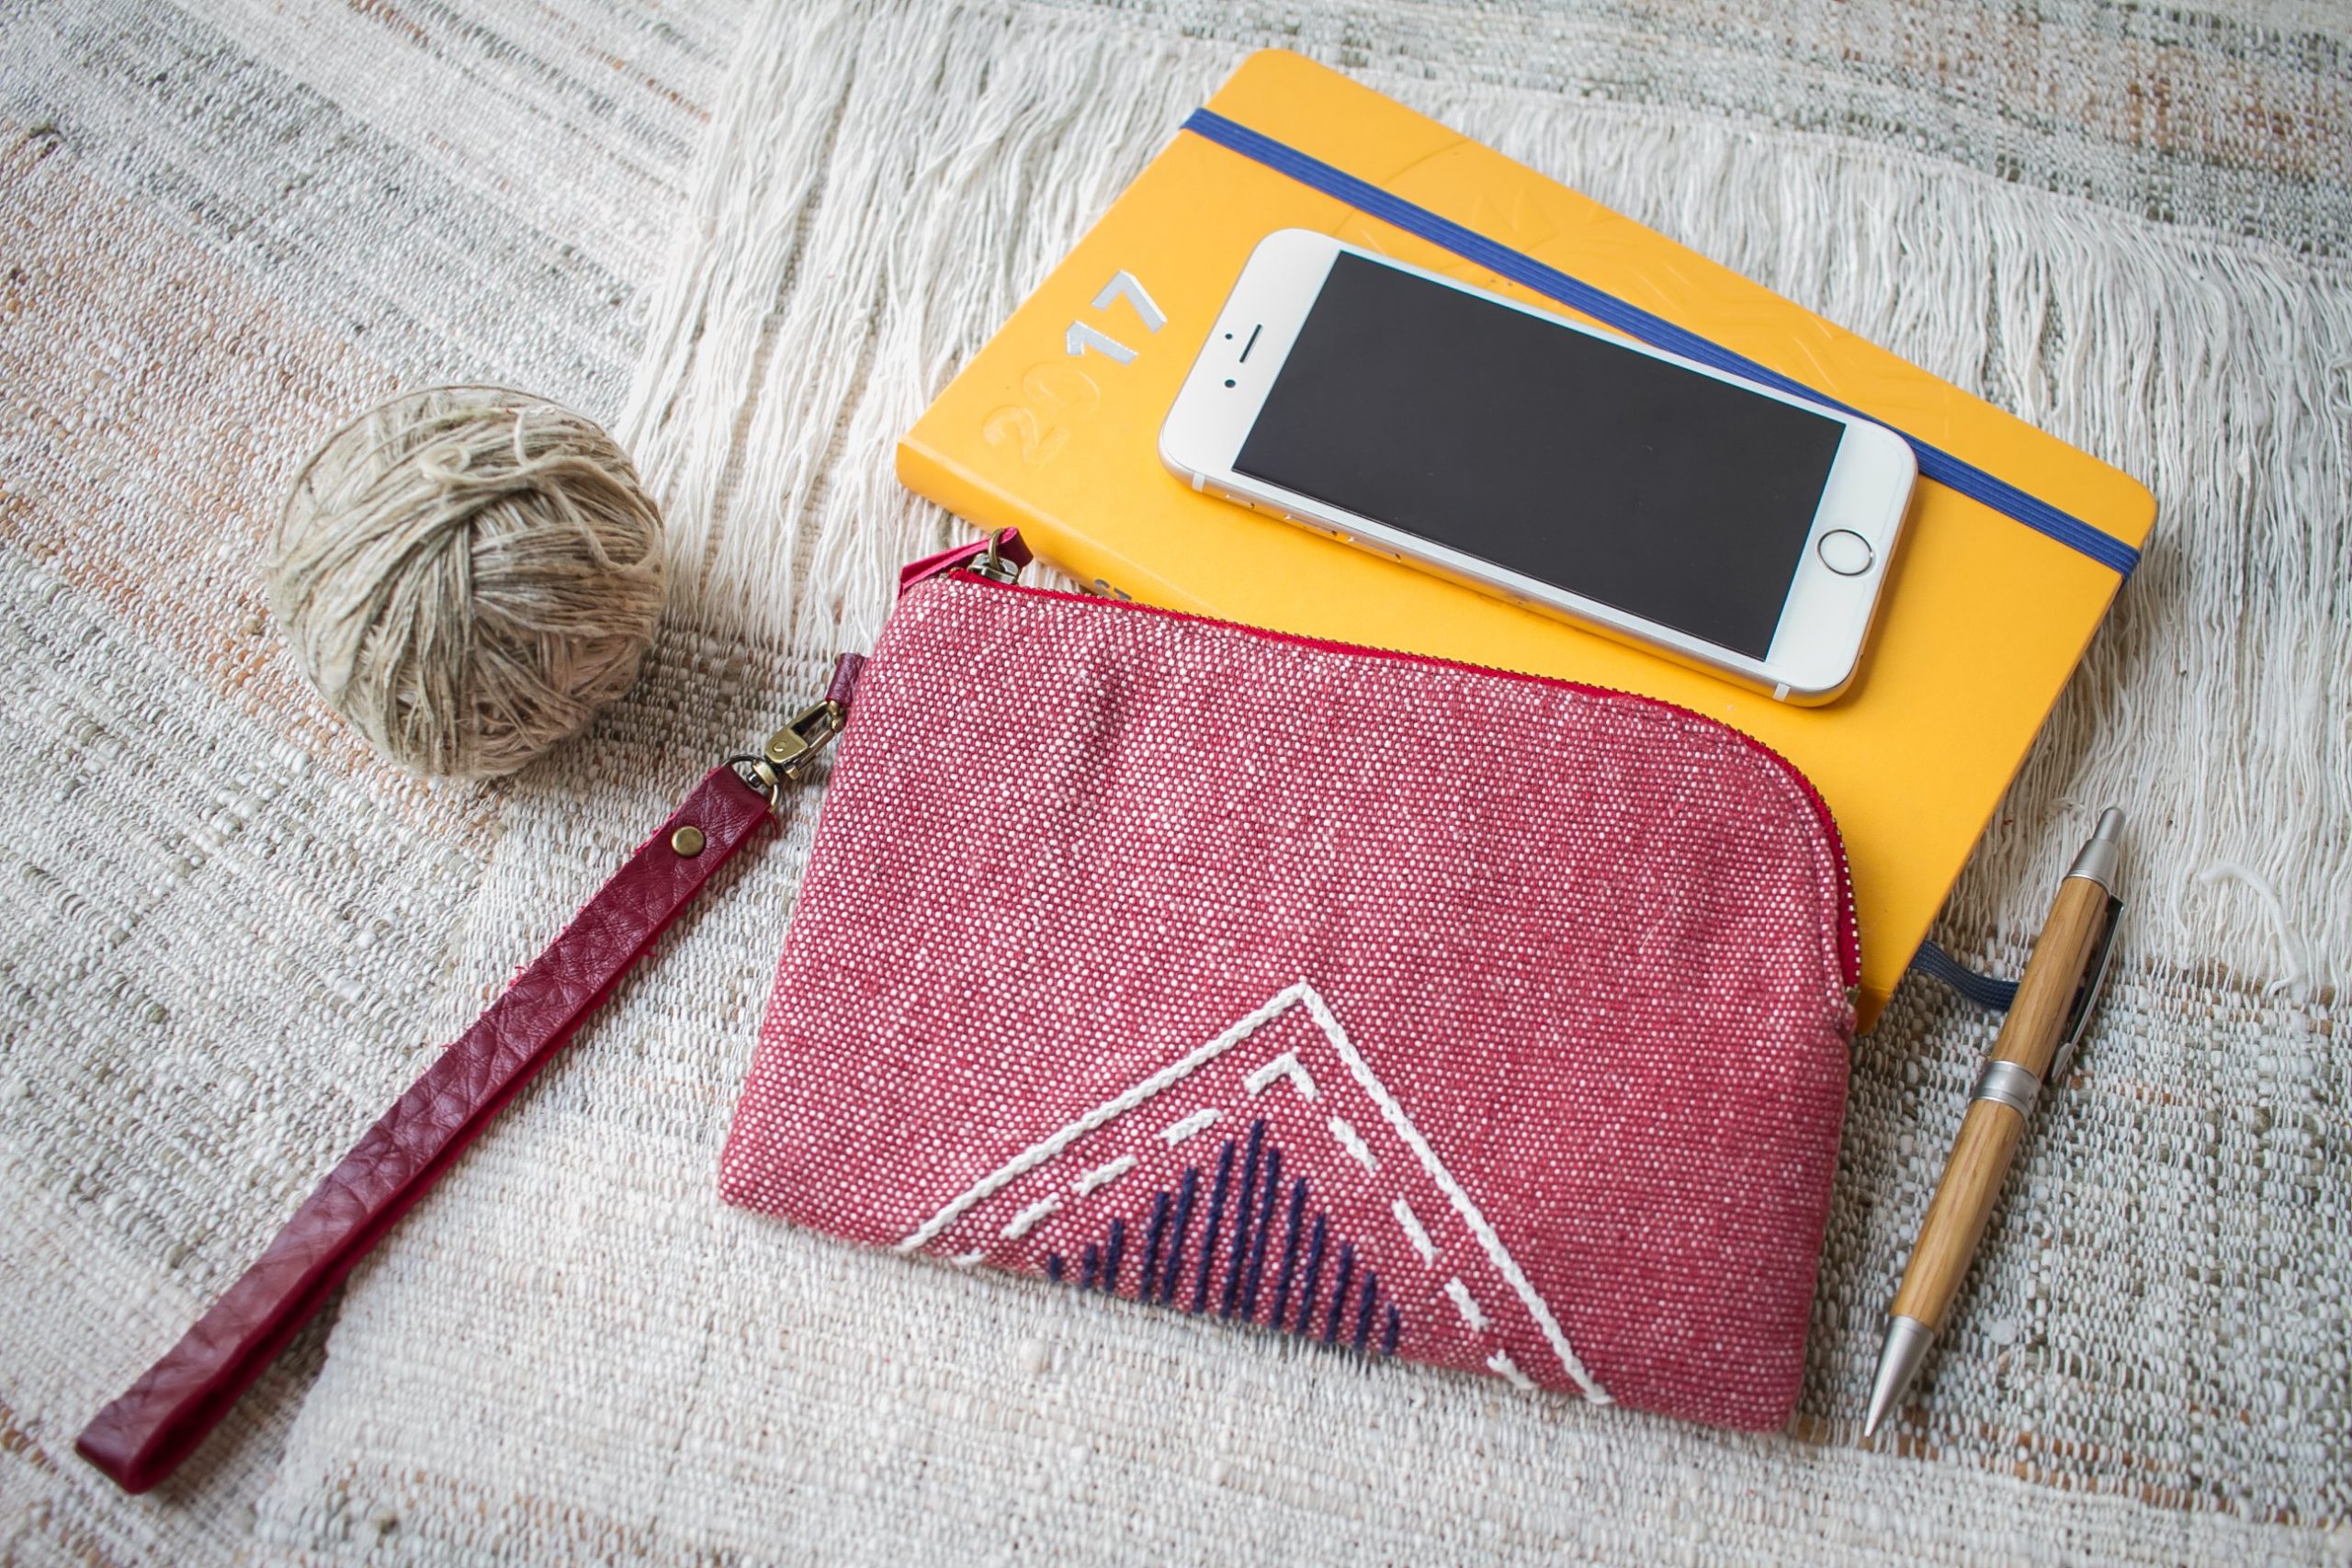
996,569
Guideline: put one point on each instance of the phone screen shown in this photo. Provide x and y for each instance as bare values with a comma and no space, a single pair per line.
1567,459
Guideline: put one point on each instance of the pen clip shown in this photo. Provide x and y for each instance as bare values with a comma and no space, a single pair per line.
2087,996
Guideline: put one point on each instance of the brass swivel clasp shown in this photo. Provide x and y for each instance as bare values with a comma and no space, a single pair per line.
790,751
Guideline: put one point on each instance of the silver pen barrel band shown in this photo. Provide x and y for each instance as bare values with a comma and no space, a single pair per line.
2006,1083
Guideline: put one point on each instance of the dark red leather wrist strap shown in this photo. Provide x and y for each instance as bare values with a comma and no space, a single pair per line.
142,1437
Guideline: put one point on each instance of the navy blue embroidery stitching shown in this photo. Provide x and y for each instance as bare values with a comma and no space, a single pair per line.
1162,1274
1185,1195
1265,1228
1311,1285
1347,1315
1151,1247
1290,1252
1239,1258
1339,1291
1216,1221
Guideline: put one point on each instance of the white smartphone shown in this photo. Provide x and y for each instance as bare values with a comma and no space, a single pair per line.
1635,492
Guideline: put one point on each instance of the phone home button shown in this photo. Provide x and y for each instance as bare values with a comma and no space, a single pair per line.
1844,552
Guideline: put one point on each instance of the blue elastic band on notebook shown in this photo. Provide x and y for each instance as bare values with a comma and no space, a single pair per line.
1935,463
1992,995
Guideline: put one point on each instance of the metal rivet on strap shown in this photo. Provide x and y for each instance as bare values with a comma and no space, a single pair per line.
687,840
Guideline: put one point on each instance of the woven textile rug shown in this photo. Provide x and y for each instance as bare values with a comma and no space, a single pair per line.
756,243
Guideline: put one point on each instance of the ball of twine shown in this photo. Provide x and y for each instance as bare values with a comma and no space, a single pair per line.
467,574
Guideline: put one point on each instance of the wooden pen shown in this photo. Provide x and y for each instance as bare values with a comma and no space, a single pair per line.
2044,1024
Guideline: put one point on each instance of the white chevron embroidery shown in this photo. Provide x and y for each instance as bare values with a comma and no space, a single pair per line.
1198,1122
1415,1232
1505,1264
1502,1366
1352,1141
1302,994
1283,1067
1104,1174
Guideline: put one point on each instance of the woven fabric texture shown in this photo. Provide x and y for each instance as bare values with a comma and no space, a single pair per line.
754,242
1547,1024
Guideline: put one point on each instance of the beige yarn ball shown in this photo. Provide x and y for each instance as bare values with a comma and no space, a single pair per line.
467,574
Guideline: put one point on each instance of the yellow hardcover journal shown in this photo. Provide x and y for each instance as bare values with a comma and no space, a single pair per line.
1054,426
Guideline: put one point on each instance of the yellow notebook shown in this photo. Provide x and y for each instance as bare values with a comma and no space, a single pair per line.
1053,428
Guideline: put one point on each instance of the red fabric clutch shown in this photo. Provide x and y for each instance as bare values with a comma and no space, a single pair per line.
1411,1007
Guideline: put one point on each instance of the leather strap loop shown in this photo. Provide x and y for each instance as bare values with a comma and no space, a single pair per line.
142,1437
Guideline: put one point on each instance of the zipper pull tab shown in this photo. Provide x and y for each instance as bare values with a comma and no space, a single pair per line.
999,558
996,566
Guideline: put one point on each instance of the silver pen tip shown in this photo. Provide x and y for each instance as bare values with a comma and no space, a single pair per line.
1899,1356
2102,854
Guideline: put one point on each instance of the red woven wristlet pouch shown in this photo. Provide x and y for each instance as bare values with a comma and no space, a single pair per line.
1415,1009
1408,1008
